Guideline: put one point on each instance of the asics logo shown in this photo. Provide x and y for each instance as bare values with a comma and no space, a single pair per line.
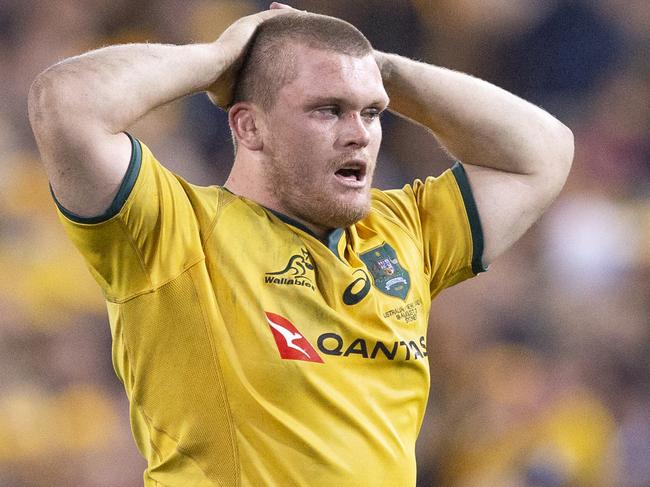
358,289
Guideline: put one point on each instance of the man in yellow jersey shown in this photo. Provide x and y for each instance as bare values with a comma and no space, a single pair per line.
271,332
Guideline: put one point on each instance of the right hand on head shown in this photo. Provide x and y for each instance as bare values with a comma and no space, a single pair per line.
232,46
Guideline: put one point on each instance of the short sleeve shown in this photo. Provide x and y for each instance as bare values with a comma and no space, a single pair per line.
148,236
441,215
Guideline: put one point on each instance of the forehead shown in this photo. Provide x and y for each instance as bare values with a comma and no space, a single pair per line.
328,74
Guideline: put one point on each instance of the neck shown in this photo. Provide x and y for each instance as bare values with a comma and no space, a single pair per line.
245,180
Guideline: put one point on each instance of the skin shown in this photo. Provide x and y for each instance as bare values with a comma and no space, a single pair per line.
80,107
325,120
517,156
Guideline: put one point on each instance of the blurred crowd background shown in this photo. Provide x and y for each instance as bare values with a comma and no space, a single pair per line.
540,367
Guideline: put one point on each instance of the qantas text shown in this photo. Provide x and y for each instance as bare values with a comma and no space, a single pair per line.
333,344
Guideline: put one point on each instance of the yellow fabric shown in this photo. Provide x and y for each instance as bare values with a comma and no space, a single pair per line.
188,274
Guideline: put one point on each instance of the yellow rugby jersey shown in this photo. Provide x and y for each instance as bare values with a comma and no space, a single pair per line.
255,354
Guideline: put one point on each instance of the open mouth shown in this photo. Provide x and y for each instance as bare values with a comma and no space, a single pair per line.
352,173
349,174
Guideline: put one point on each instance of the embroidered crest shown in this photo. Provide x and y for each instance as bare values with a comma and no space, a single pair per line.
388,274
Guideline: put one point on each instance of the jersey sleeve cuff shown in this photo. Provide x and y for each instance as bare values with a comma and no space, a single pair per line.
122,193
472,215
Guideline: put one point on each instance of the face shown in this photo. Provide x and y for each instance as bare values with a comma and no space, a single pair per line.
322,137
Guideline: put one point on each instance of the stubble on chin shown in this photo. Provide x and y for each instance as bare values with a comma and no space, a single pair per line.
309,201
329,212
319,208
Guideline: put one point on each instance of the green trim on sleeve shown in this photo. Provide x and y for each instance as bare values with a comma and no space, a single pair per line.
122,193
472,215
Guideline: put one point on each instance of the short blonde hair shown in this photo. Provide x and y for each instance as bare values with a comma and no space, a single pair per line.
270,61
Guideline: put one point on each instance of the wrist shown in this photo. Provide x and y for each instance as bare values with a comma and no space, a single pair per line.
384,63
218,56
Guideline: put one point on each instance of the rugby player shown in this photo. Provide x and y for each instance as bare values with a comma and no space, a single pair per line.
272,331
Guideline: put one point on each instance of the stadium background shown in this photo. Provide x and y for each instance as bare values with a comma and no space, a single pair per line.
540,368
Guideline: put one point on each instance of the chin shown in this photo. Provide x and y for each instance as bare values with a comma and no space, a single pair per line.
326,209
339,215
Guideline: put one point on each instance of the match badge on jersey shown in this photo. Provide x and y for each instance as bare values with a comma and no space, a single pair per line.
292,345
388,274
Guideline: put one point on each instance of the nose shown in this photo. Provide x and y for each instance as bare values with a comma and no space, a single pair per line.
353,131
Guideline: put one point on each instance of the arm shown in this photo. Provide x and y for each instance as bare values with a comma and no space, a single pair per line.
516,155
79,107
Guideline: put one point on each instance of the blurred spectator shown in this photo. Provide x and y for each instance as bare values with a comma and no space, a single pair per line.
524,421
562,57
540,370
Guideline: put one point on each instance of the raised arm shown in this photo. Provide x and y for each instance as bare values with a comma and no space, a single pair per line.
79,107
516,155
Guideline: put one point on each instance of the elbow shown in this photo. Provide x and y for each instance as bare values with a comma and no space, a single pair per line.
34,99
551,160
50,104
559,156
566,149
566,142
41,100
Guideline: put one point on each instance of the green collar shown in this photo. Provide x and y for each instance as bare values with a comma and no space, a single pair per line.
331,240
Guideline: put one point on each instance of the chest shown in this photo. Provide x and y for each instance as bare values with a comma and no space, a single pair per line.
355,300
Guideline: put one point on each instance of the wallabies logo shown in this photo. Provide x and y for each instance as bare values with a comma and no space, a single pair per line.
299,271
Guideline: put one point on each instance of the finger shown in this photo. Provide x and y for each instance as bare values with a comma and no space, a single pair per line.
278,5
267,14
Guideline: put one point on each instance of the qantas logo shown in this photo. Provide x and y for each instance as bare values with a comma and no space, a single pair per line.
292,345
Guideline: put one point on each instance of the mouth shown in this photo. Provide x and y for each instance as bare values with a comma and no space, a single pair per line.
352,173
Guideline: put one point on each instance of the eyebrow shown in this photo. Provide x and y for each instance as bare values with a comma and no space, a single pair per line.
335,100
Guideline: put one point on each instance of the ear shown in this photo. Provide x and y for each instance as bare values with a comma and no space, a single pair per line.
245,123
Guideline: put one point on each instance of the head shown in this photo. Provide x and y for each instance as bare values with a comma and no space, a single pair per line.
306,119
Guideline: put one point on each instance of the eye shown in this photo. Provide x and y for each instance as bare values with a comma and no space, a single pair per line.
372,113
330,110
